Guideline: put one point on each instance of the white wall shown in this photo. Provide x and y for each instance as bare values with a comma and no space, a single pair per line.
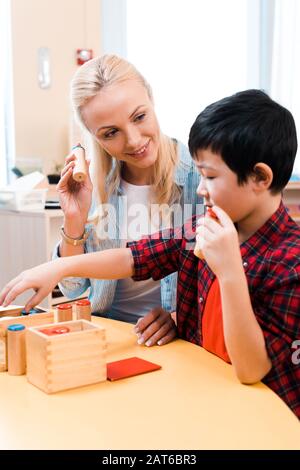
192,52
42,116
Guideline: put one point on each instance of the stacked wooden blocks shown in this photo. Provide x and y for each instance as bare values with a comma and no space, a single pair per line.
63,361
28,320
59,356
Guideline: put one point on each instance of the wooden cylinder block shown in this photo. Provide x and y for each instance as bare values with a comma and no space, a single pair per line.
80,168
64,312
16,355
83,310
208,212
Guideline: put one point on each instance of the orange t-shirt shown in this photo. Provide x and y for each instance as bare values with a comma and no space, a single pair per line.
212,323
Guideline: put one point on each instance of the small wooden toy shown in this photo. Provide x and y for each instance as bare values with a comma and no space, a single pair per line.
208,212
63,361
11,311
129,367
82,310
55,331
80,168
28,320
32,311
16,358
64,312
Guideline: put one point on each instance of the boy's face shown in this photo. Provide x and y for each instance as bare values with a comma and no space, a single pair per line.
219,186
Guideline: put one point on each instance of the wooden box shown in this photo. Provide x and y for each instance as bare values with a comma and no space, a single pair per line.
26,320
68,360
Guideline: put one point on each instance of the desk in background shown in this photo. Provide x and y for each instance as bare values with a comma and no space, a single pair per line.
193,402
27,238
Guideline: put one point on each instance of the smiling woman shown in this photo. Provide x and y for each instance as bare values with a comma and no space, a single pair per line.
135,170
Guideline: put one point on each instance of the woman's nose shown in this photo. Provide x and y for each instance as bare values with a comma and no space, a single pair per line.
133,138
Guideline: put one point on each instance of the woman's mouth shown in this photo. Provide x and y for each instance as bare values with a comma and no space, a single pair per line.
141,152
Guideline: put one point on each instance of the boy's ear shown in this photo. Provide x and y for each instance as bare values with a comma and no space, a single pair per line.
262,176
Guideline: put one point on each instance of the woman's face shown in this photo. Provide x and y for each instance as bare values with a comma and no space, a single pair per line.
122,119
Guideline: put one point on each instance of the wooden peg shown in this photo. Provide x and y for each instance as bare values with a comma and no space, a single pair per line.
208,212
16,356
80,168
55,331
64,312
83,310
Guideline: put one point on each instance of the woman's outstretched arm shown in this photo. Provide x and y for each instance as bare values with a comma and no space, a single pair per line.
109,264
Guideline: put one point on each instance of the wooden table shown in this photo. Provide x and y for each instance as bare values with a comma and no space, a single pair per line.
193,402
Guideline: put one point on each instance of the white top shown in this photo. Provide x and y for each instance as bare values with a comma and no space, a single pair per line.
135,299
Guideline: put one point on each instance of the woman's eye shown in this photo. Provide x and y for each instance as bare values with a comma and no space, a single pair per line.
140,117
111,133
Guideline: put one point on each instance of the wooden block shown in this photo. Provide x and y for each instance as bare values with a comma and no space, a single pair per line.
208,212
69,360
11,311
28,320
129,367
16,349
82,310
80,168
64,312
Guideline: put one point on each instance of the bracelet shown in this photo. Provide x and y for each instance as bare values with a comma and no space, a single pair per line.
74,241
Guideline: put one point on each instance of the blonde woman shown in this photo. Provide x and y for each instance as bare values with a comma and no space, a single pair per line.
135,170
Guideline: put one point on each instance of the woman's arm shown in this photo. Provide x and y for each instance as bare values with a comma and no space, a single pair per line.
109,264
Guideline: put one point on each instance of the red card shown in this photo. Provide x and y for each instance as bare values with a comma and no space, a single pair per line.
129,367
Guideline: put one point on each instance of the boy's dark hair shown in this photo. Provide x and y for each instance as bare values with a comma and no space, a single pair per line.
245,129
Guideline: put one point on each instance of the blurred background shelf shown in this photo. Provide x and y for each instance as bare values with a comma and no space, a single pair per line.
26,240
293,185
291,197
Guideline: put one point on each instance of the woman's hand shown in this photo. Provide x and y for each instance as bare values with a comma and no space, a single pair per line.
42,279
157,327
75,198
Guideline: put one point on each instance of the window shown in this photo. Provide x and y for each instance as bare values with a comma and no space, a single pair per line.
197,51
6,104
192,53
286,60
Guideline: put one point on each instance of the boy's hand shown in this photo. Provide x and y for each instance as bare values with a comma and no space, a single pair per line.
219,242
42,279
157,327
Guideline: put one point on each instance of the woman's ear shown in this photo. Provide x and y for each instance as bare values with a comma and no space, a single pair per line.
262,176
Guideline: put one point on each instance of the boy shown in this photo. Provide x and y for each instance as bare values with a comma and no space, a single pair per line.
243,301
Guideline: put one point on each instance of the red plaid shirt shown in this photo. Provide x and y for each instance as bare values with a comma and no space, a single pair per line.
271,259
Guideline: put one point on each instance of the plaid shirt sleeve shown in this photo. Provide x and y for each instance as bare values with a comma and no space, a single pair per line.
157,255
279,313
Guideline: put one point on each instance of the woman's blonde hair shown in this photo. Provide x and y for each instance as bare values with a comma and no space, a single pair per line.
89,79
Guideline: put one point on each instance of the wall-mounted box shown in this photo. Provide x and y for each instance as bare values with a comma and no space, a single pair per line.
63,361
